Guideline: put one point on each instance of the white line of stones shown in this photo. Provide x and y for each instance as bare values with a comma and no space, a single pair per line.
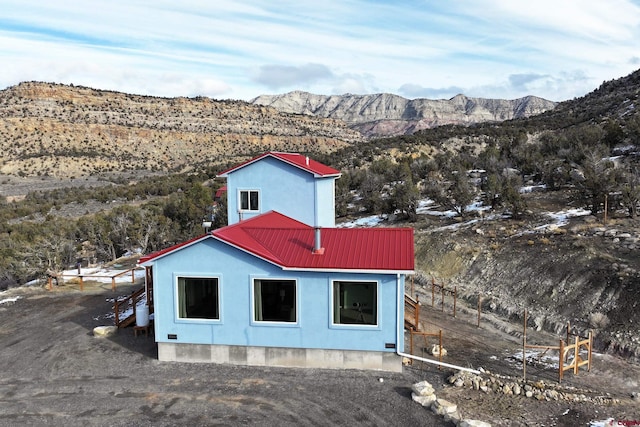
539,390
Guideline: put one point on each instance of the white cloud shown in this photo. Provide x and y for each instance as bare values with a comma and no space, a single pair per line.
491,48
279,76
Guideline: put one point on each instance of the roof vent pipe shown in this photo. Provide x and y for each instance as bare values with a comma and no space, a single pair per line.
317,243
307,160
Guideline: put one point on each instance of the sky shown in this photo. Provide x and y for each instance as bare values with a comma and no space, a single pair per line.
436,49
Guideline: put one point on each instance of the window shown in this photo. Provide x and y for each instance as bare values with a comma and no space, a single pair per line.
249,200
198,298
355,303
274,300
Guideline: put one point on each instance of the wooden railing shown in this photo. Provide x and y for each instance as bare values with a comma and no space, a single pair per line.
570,353
125,309
411,313
59,277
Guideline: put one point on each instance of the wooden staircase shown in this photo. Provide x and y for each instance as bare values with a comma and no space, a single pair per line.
125,309
411,313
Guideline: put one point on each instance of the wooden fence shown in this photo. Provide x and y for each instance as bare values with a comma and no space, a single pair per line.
568,354
443,291
81,277
424,335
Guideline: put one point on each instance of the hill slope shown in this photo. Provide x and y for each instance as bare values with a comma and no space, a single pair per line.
58,130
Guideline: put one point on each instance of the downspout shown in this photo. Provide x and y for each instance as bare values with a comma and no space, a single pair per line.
400,316
400,330
435,362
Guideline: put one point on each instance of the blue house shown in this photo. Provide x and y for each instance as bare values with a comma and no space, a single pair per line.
289,183
280,285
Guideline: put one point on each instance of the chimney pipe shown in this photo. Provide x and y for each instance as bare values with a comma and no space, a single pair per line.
307,160
317,244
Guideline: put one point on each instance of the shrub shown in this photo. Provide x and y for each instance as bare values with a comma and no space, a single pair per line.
598,320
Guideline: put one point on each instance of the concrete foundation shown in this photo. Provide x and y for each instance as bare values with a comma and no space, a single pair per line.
276,356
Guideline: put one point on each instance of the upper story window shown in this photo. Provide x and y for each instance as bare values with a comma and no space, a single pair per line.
250,200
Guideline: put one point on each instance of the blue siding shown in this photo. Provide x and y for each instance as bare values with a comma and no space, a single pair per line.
236,269
285,189
325,201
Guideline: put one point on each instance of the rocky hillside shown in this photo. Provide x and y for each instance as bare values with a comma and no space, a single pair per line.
387,115
58,130
580,270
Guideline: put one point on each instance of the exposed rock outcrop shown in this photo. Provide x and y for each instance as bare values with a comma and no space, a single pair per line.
386,114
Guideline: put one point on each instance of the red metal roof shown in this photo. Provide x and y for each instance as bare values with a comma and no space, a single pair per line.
165,251
298,160
289,244
220,191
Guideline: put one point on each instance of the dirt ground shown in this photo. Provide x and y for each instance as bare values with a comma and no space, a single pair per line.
496,346
53,371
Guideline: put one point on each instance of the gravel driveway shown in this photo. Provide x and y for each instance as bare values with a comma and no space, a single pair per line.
53,371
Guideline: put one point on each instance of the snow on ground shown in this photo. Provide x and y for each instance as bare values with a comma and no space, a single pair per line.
605,423
532,188
429,207
561,218
128,311
369,221
8,300
104,274
536,357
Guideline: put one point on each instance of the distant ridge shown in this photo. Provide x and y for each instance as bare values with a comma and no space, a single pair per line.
386,114
49,129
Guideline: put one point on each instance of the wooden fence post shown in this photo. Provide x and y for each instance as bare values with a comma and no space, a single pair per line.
455,297
417,313
524,346
410,341
433,291
561,357
590,350
440,352
576,354
116,309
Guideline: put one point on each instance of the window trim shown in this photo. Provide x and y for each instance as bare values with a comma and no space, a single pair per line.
333,324
176,299
249,191
252,307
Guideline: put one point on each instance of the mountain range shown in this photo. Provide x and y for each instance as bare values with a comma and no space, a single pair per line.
385,114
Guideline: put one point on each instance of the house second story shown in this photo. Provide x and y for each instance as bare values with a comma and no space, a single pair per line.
289,183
